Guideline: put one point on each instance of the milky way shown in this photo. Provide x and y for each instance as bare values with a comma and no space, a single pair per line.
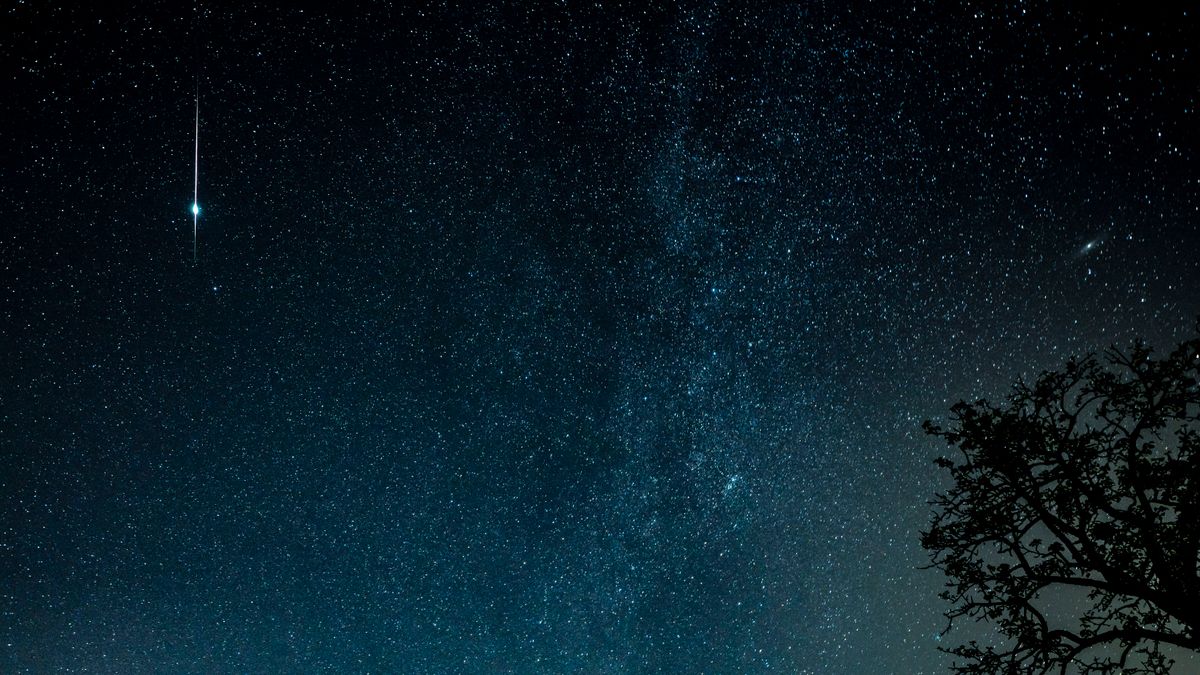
558,339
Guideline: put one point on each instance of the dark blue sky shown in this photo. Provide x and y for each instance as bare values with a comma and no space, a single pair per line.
572,338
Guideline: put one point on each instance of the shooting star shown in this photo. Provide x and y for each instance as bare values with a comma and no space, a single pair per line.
196,179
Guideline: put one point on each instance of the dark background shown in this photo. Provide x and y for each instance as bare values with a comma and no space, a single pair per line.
568,337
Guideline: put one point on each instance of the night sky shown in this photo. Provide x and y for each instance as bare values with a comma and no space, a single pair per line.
546,337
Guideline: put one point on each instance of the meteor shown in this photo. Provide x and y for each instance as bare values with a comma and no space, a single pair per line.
196,179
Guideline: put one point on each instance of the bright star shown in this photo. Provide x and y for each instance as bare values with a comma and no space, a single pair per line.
195,209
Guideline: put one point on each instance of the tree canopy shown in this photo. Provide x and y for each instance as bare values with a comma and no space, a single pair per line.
1073,522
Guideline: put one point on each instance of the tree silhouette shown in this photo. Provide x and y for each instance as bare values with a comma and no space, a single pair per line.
1073,523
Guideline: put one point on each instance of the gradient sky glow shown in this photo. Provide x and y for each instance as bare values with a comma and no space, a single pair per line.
551,337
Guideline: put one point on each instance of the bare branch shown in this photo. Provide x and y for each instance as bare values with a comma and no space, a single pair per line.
1087,479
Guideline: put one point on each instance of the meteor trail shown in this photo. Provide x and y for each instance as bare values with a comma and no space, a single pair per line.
196,179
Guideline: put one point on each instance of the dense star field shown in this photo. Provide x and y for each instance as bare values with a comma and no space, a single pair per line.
546,337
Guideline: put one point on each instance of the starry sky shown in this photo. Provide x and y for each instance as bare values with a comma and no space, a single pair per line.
546,337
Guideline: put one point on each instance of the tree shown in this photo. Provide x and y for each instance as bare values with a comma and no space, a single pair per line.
1073,522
